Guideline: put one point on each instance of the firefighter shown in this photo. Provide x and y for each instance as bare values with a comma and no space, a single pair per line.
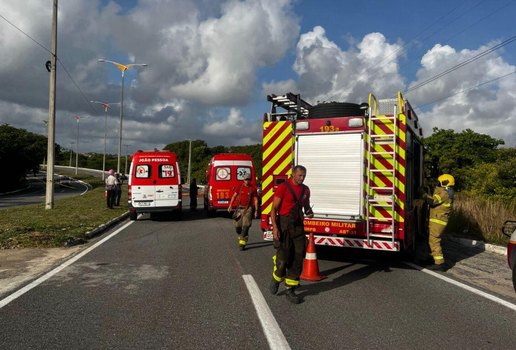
290,199
440,207
245,199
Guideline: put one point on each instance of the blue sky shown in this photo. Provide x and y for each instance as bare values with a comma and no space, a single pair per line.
212,63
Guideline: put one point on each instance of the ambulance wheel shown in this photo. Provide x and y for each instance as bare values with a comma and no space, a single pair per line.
177,214
133,215
335,109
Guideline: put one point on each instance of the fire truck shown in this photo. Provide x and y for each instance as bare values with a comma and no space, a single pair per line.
364,168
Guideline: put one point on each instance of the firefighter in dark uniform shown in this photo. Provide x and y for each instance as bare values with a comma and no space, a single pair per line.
244,199
290,199
441,203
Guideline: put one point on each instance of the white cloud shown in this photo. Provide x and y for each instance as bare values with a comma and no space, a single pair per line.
235,128
488,108
326,72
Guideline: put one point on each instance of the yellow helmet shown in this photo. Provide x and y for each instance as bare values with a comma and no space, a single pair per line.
446,180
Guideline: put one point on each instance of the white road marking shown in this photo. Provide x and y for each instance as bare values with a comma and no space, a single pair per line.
464,286
53,272
272,331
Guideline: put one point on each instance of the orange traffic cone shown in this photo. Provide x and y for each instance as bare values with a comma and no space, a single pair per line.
310,265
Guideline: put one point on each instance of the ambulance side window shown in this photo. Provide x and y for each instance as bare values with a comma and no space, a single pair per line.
166,171
223,174
143,171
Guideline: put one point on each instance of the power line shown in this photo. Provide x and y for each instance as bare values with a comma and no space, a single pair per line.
464,90
58,59
462,64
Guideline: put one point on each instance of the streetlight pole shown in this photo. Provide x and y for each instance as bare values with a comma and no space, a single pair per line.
126,153
189,160
77,118
106,106
71,152
123,68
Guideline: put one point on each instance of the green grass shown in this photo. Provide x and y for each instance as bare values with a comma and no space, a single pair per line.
35,226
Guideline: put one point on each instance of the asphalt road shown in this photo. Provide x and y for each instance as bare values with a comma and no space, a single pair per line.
35,192
185,285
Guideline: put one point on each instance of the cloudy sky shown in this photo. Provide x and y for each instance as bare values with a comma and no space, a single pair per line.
212,63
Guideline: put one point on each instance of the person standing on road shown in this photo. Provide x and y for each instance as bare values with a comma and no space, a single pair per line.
111,189
244,200
193,194
291,198
441,203
118,189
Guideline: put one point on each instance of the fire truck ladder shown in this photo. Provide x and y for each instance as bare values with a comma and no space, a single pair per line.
295,107
381,168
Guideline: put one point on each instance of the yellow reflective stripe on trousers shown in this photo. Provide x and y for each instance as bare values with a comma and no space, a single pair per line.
276,278
242,242
439,222
291,283
439,259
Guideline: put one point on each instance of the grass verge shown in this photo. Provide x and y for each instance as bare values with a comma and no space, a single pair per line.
34,226
480,218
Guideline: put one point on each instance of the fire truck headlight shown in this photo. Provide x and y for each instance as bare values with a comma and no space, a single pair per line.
302,125
356,122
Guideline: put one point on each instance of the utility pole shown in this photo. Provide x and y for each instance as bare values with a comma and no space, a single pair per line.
51,134
189,161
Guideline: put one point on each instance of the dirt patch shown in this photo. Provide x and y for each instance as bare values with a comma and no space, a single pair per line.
19,266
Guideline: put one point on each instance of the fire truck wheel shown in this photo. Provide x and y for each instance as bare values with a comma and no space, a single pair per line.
335,109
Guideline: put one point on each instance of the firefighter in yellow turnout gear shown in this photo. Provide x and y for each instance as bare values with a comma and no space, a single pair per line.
440,207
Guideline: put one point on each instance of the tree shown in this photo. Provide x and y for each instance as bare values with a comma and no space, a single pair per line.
457,153
20,152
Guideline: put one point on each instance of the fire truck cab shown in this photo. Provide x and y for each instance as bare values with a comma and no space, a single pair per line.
364,167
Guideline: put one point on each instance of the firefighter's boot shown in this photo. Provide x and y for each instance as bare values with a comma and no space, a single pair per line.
292,296
438,267
273,286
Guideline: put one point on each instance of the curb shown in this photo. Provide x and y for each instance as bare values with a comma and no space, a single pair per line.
100,229
479,245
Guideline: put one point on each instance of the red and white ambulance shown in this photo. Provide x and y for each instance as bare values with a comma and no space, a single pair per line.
154,183
224,175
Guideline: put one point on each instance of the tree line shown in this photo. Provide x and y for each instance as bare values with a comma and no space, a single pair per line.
477,161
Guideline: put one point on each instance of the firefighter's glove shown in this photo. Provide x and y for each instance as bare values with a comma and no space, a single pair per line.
422,193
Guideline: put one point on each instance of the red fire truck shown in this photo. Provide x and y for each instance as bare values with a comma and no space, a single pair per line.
364,168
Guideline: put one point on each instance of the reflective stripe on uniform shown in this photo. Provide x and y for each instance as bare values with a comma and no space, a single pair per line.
242,242
439,199
447,205
276,278
439,259
437,221
291,283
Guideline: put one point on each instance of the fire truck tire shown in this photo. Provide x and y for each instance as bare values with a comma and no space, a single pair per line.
335,109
